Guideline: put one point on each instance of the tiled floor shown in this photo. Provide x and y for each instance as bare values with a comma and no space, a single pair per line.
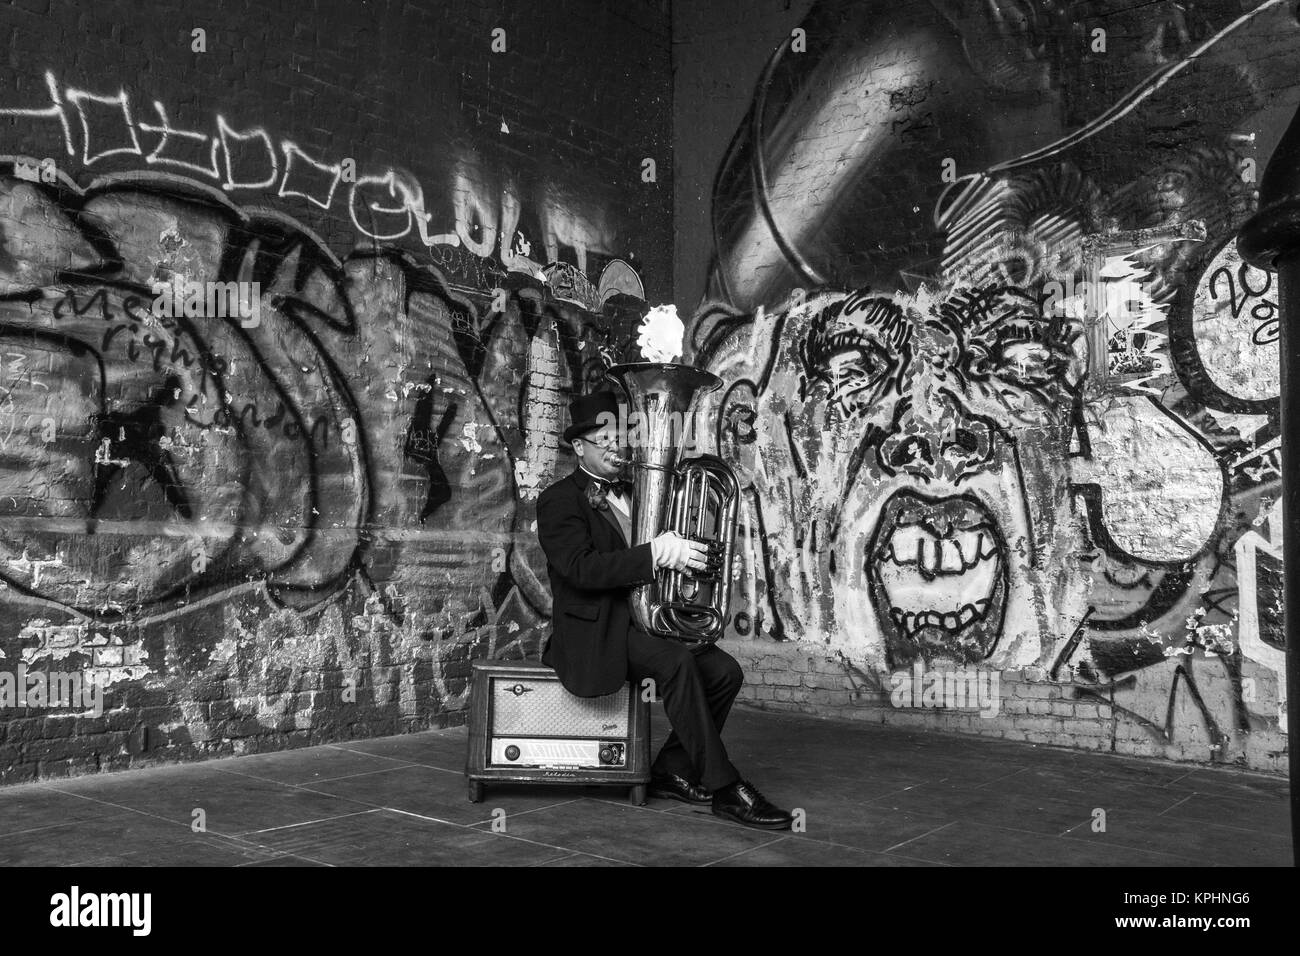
871,796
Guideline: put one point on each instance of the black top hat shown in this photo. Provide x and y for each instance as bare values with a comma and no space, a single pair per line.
589,412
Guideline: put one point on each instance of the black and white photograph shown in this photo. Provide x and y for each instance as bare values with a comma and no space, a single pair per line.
671,434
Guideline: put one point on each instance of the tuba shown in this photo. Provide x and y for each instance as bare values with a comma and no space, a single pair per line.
696,497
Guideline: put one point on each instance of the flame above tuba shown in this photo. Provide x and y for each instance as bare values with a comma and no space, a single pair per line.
695,497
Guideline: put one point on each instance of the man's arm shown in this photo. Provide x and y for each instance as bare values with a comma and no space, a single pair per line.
565,537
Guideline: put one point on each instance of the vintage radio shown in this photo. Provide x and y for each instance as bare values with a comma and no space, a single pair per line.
524,727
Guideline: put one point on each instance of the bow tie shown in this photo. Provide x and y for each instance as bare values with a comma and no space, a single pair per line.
618,487
598,489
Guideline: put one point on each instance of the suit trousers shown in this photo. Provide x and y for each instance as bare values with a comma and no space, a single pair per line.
697,687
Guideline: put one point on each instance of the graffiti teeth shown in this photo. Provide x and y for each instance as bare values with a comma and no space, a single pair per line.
937,564
912,586
910,622
955,553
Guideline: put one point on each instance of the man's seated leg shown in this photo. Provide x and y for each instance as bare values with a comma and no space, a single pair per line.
694,751
722,677
681,682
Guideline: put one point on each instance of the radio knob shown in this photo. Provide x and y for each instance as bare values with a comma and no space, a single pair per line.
606,755
512,752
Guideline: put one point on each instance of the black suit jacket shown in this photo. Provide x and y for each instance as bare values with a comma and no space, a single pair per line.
592,572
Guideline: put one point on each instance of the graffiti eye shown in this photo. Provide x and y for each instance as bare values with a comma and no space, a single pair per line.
979,362
1027,363
856,375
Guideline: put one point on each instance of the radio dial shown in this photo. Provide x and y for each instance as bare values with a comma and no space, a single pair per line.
512,752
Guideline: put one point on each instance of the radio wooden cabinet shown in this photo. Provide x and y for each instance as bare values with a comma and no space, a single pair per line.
525,728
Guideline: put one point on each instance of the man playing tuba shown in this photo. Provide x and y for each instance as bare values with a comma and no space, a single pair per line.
584,523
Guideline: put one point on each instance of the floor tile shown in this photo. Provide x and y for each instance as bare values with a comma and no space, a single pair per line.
230,803
122,837
1264,814
582,859
796,852
434,748
387,838
285,859
1199,842
1227,782
309,765
635,835
974,844
1036,814
441,794
36,807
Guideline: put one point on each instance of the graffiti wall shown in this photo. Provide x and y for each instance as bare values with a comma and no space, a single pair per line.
1002,396
289,322
290,318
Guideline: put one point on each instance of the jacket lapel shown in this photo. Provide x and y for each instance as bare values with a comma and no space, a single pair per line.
608,515
614,518
582,479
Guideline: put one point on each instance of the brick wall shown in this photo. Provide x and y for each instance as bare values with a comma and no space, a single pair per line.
1026,705
253,531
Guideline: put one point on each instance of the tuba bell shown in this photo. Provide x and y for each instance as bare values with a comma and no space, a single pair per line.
696,497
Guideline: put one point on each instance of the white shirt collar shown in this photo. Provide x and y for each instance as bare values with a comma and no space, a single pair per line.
596,477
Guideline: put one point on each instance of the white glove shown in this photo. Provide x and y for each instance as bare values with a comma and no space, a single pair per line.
664,548
671,550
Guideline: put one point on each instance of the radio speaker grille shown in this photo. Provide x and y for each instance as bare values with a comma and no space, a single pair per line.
526,706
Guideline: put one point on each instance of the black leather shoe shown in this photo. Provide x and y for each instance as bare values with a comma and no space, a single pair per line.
669,786
742,802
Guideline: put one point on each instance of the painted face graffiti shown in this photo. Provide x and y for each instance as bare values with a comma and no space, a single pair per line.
923,394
